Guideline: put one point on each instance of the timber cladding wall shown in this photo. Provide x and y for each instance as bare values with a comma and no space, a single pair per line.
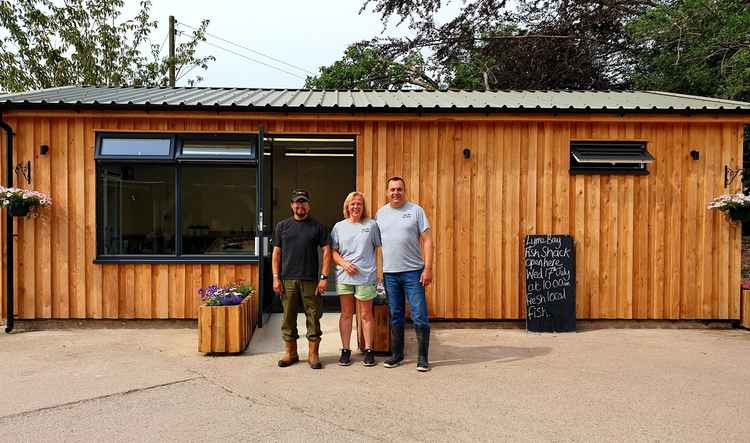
646,246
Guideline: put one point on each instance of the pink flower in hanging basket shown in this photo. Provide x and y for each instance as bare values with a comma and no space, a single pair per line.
23,202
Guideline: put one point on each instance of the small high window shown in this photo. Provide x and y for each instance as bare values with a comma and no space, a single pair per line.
135,147
609,157
222,150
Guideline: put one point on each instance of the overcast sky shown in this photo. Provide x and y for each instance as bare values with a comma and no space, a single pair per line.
305,33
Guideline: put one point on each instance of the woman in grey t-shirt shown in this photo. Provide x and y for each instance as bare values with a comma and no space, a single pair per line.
353,242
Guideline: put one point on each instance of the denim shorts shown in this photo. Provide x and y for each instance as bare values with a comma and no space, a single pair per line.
361,292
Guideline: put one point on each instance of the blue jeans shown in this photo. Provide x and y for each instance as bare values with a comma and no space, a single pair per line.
396,285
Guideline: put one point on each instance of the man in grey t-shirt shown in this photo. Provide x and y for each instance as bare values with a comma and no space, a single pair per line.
407,268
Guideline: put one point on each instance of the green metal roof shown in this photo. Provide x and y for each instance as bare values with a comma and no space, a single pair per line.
405,101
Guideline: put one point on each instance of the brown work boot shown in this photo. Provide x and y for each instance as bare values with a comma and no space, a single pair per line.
312,357
290,356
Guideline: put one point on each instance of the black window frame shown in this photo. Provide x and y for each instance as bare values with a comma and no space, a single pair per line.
100,136
234,159
175,162
614,167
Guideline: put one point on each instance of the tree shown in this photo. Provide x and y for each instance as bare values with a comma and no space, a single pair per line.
367,67
86,42
699,47
554,44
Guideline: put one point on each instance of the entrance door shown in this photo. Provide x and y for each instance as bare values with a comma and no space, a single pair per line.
323,165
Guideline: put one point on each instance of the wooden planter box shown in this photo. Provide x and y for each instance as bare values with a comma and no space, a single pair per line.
745,308
227,329
382,339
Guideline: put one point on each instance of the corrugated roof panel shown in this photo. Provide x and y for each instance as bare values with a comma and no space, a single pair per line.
223,97
373,100
109,95
348,100
296,98
248,97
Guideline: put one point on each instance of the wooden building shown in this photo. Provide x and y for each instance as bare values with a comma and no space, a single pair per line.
160,191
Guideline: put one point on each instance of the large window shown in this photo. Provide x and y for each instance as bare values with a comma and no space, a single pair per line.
176,198
218,210
137,209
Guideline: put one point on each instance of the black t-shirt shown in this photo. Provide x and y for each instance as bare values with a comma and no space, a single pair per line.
299,241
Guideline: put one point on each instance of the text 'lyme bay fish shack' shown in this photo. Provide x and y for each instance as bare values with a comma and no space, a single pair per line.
160,191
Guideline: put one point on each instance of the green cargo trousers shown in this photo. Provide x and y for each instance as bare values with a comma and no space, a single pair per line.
296,291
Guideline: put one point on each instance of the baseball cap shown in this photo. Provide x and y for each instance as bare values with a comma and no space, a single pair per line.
300,195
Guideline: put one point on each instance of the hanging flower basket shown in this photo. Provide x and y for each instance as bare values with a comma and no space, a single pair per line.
23,202
736,206
739,214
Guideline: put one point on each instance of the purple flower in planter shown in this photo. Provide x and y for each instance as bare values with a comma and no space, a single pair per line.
232,294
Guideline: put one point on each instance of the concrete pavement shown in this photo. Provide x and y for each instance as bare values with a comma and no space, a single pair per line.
486,384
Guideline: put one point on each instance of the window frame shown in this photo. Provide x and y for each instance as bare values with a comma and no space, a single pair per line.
101,136
181,158
172,162
609,168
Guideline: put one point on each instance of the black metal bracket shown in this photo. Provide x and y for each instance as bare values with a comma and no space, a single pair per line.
24,171
730,174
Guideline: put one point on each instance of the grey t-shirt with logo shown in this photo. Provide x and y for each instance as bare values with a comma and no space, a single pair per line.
356,243
400,230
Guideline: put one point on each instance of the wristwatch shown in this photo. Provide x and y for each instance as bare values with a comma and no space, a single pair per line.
323,277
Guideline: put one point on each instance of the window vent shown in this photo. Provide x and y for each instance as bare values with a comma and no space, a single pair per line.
609,157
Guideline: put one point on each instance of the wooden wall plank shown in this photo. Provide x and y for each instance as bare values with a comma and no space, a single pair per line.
462,220
723,239
126,304
25,241
143,291
529,182
444,235
428,176
517,304
110,291
480,206
43,256
700,213
93,271
578,218
160,291
628,233
509,302
177,291
77,219
195,282
60,217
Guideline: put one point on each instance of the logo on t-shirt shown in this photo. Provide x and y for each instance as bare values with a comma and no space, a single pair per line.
406,215
365,229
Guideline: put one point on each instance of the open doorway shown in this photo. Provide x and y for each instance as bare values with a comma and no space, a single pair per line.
325,166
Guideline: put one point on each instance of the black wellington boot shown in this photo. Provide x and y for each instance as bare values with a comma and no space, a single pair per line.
397,347
423,344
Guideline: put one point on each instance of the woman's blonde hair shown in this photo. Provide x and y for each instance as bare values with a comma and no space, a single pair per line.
349,199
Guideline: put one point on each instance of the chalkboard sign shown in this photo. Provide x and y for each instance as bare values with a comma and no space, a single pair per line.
550,283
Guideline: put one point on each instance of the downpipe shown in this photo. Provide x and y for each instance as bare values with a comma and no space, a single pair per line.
9,312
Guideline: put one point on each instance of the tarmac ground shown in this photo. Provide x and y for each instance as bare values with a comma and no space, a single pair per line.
485,385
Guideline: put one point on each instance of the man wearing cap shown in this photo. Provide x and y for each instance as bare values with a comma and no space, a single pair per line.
297,277
407,269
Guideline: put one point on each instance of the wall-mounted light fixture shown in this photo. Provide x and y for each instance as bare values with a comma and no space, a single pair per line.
467,153
43,149
695,154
